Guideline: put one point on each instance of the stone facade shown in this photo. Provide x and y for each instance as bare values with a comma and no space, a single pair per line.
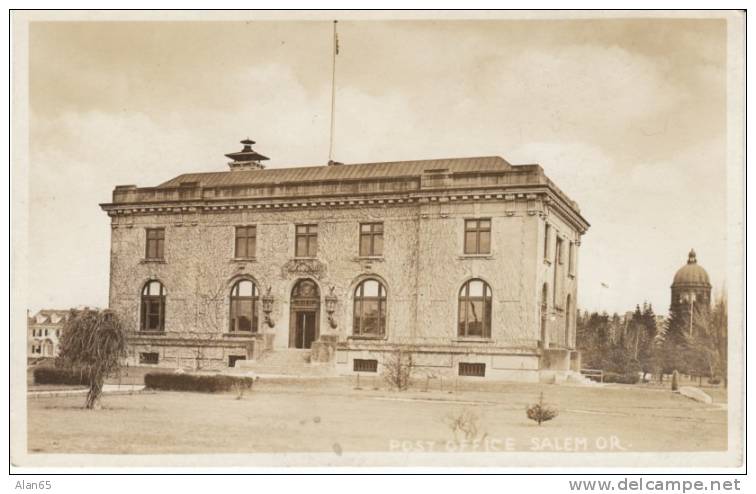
422,206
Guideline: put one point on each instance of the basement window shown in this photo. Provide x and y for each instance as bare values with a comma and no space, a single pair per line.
471,369
233,358
149,358
364,365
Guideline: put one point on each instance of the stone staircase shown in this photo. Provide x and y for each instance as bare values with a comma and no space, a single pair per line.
567,377
285,362
580,379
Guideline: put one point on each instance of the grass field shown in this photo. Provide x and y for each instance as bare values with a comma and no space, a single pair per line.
329,415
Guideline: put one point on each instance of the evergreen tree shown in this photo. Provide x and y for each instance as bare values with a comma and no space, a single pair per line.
646,340
674,347
718,326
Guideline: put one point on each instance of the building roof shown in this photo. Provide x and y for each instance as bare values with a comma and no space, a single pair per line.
691,273
50,316
337,181
361,171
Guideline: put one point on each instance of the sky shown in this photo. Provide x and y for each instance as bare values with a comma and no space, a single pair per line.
628,117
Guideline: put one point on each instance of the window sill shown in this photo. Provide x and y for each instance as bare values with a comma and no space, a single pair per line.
152,261
144,332
366,337
472,339
243,259
241,334
297,258
369,258
475,256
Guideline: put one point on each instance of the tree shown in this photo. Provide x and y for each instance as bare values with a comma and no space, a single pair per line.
93,343
593,338
672,350
397,368
642,335
718,329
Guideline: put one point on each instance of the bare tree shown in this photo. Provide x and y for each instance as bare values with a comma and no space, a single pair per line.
465,424
397,368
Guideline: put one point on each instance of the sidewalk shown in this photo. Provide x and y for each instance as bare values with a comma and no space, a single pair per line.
109,389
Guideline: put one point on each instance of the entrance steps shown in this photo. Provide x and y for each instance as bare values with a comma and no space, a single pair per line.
567,377
580,379
285,362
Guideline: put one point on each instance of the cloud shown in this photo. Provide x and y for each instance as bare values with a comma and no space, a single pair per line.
629,125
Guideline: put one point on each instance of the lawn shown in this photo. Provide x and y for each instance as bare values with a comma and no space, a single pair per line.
330,415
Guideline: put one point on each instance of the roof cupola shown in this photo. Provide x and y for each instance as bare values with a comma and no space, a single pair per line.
247,158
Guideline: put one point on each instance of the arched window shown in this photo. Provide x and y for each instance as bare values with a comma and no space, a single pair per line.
475,309
153,306
243,307
370,308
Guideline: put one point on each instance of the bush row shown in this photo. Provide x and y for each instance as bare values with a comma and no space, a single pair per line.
626,378
190,382
56,375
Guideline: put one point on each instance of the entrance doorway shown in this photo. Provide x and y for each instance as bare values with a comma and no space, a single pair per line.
304,321
304,331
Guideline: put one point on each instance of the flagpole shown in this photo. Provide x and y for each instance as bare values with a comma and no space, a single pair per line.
333,92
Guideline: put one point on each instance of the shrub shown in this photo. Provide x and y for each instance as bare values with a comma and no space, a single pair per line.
626,378
55,375
541,412
192,382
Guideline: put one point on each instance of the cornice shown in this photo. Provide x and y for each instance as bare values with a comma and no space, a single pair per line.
538,198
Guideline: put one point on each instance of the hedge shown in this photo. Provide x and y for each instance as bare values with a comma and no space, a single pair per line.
627,378
56,375
192,382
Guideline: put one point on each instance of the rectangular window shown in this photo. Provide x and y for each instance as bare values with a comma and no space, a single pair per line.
546,242
571,260
478,236
232,359
472,369
45,332
306,241
243,314
152,319
155,241
558,274
149,358
371,239
246,242
364,365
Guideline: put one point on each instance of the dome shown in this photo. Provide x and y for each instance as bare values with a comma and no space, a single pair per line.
691,273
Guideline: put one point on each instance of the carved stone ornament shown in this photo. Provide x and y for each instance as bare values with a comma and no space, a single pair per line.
303,267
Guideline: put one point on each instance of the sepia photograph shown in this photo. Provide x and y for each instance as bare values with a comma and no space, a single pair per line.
505,239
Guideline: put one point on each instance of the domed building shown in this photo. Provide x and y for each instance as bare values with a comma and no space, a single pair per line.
691,289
